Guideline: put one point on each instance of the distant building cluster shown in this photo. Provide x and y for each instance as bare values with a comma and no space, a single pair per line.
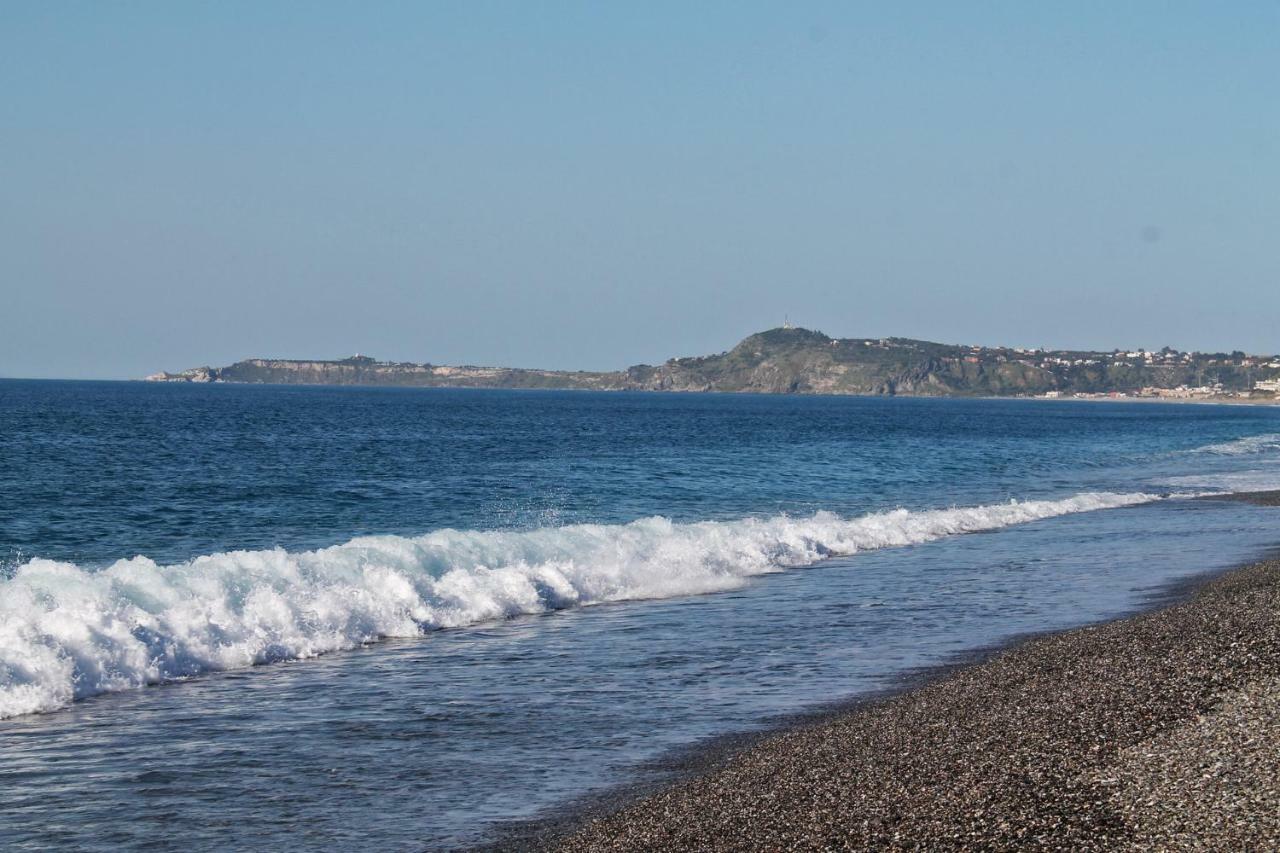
1167,357
1181,392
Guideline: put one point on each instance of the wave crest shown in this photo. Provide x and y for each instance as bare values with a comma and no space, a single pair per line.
67,633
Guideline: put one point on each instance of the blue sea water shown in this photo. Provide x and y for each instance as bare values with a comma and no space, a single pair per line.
237,617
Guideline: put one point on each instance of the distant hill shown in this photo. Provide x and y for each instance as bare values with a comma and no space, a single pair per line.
801,361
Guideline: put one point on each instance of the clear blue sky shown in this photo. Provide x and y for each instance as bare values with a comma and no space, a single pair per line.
597,184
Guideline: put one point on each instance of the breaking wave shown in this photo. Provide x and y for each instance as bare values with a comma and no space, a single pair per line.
67,633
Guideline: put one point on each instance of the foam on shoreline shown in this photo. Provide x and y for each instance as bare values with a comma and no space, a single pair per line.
67,632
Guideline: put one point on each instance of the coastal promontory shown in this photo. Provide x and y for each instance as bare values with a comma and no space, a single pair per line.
792,360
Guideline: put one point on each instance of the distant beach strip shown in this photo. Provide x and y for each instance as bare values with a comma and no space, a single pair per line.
1155,732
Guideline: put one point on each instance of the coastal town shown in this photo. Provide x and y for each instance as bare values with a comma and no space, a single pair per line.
1164,374
1266,369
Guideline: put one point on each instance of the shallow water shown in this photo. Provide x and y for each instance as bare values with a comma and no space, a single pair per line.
703,624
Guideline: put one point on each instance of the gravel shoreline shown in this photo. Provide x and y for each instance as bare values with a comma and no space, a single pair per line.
1256,498
1160,731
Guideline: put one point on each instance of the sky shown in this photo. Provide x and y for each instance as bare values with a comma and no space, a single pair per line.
593,185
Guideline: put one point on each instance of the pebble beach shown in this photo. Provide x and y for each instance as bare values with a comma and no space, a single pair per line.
1159,731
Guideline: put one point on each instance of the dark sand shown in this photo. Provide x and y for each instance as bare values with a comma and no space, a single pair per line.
1161,731
1259,498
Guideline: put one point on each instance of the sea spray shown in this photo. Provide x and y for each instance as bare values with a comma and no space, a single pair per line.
67,632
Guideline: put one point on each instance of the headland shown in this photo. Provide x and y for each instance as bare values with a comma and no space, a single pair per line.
801,361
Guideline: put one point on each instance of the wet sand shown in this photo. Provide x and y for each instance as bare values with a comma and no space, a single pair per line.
1160,731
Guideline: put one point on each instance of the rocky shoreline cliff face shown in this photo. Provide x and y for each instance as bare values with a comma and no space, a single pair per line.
801,361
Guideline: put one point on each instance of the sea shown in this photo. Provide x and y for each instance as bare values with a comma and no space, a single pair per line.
317,618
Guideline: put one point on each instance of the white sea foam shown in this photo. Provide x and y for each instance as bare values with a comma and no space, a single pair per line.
1270,442
67,633
1254,480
